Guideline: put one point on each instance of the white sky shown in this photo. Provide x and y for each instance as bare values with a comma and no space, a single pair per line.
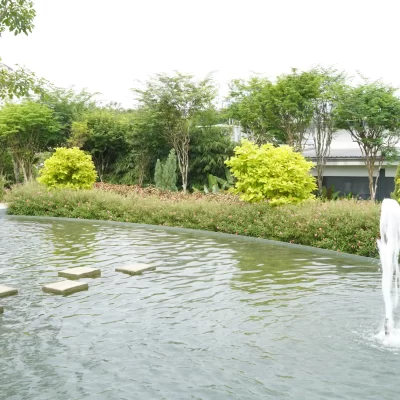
105,46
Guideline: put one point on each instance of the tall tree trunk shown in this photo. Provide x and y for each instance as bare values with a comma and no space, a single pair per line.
180,139
370,160
24,171
16,168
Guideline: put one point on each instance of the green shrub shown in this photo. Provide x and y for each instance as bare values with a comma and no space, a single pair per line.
396,192
68,168
165,175
277,174
346,225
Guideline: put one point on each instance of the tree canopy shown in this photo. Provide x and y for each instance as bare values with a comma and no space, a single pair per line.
370,112
16,16
27,129
177,101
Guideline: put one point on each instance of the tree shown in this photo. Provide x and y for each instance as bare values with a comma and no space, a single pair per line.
19,83
27,128
276,174
291,106
146,143
68,106
165,173
177,101
103,134
330,86
370,112
278,112
68,168
211,145
16,16
250,105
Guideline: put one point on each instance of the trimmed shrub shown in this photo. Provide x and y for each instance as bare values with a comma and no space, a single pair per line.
347,225
277,174
68,168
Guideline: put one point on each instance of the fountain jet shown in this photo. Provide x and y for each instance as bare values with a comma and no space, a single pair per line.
389,246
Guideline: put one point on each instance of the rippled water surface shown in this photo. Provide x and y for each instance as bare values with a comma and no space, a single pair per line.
220,318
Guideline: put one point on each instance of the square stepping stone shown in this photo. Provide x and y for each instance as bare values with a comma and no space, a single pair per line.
135,269
80,272
7,291
65,287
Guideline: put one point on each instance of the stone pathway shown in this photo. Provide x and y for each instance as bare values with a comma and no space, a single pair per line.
69,286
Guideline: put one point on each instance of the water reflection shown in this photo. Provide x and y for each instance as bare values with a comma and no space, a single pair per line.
221,317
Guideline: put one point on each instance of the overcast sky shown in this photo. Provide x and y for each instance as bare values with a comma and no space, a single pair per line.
105,46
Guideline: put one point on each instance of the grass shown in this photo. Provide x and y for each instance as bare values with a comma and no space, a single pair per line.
348,226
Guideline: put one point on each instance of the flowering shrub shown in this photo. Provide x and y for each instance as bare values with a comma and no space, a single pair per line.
277,174
348,226
68,168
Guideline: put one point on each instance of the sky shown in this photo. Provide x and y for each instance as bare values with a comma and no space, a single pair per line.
110,46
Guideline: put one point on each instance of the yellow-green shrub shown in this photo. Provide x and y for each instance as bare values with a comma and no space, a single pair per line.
396,192
277,174
68,168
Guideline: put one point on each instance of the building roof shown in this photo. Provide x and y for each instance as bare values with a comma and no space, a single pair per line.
336,153
342,146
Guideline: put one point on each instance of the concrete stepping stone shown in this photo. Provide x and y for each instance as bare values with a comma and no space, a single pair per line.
65,287
80,272
7,291
135,269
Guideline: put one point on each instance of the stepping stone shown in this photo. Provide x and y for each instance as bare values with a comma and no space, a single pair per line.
135,269
7,291
65,287
1,309
80,272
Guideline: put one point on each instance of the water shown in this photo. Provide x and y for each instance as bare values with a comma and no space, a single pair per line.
222,317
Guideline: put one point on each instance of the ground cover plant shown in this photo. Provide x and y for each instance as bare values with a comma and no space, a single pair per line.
345,225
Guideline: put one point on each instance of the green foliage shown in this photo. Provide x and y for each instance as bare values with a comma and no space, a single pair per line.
275,112
216,184
68,106
396,192
146,143
6,166
331,84
16,16
3,183
102,132
210,146
330,194
19,83
165,176
345,225
370,113
68,168
27,129
276,174
292,107
250,105
176,102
